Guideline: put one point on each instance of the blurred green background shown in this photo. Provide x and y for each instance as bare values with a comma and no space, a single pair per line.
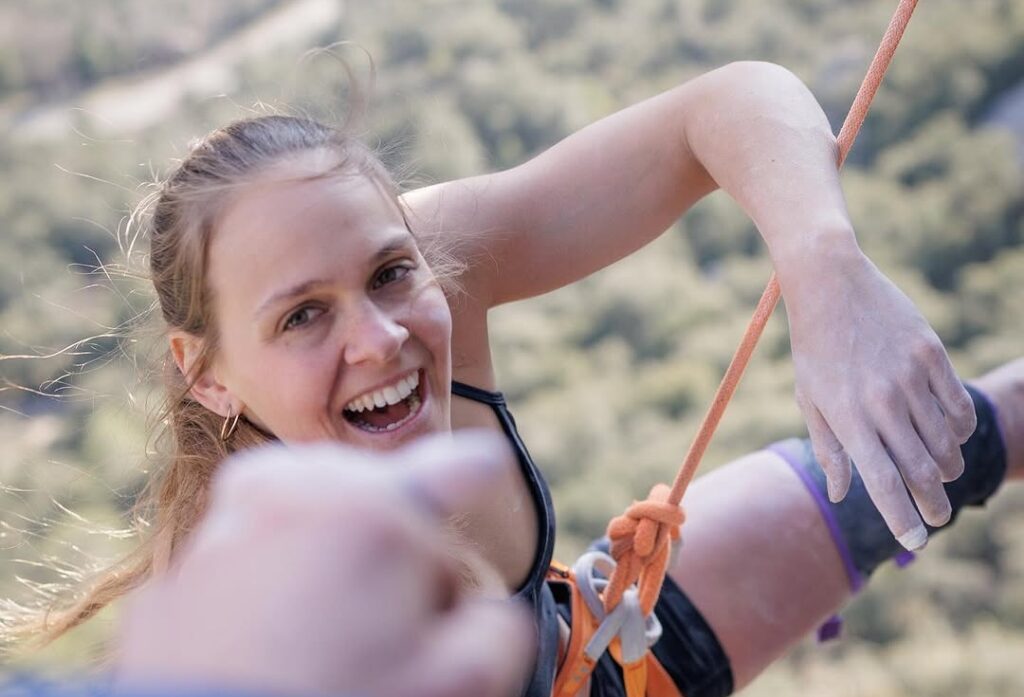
608,378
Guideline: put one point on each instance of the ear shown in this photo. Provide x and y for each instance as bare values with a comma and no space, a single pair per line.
187,349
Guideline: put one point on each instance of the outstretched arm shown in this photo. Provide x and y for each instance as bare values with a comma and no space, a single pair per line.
791,558
873,380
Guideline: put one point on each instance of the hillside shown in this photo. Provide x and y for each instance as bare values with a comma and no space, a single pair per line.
607,385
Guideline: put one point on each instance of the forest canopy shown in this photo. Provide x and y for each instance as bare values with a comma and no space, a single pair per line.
607,378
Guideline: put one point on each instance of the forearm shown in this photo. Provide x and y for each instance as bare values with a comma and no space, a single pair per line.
760,135
757,560
1004,386
821,552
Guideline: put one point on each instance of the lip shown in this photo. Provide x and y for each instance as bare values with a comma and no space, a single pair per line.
393,437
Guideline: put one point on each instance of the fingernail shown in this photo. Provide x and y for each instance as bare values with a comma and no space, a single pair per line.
951,476
944,517
914,539
833,491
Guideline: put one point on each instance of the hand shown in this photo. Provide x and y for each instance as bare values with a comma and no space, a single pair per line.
874,383
322,570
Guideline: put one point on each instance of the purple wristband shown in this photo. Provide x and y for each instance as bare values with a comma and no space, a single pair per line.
824,507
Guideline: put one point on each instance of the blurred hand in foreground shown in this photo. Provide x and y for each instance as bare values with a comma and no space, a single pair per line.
323,570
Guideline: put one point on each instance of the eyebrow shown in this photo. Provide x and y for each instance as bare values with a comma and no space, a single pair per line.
399,242
396,243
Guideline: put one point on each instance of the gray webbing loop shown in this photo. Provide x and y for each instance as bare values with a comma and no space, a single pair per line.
636,633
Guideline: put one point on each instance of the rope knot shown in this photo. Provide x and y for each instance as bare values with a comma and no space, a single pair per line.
641,542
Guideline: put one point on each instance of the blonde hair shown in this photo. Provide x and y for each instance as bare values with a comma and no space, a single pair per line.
182,215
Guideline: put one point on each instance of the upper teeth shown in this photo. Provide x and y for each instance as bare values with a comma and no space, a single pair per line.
392,394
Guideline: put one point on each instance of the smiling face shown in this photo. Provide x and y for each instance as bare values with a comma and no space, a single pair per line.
330,324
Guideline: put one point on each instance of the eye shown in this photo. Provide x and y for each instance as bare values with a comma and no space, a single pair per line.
390,274
301,317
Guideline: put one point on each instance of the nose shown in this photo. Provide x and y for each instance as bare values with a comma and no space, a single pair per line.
373,335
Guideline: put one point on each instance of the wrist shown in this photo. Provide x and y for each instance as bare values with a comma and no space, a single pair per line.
802,263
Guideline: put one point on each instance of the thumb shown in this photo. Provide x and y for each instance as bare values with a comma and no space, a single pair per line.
827,449
447,472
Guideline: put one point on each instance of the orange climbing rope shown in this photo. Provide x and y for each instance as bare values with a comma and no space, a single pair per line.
641,537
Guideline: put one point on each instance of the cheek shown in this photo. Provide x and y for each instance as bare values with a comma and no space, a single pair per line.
288,391
431,320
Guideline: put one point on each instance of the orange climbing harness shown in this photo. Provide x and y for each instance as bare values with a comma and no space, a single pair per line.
625,633
642,537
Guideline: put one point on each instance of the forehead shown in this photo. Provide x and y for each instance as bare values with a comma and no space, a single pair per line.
300,193
290,225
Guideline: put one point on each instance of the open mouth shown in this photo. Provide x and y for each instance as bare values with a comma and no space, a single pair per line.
386,408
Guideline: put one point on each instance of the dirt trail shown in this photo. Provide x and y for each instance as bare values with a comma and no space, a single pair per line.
123,105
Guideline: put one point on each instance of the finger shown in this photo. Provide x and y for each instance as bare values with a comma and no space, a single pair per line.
828,450
931,425
481,649
300,476
885,486
953,397
439,474
445,473
412,561
920,472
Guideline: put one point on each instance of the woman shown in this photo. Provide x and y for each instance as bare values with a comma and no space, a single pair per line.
303,303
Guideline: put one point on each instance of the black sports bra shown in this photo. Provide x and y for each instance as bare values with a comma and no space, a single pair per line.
689,649
534,591
538,487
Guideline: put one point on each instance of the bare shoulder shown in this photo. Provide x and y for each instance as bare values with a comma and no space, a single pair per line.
471,351
471,362
457,223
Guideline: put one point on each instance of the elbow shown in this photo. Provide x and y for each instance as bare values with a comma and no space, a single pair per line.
772,89
760,78
756,72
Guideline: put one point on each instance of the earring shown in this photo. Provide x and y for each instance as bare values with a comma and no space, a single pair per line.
229,426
